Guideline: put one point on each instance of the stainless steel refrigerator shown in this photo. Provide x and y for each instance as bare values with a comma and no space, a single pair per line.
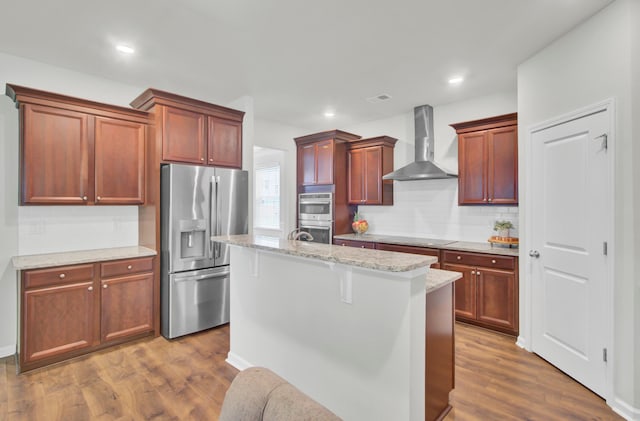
198,202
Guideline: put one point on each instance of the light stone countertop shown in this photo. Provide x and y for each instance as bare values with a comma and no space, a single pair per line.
388,261
35,261
437,278
422,242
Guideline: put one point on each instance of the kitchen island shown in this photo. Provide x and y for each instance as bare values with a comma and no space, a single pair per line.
367,333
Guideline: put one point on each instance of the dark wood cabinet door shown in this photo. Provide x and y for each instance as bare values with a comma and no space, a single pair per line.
356,173
224,139
472,183
119,162
502,165
56,157
183,136
373,176
57,320
465,291
497,298
324,162
126,306
307,158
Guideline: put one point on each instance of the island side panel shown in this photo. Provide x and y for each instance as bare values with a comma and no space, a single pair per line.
440,352
356,359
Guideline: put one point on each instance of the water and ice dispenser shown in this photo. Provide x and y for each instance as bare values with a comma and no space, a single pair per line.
193,238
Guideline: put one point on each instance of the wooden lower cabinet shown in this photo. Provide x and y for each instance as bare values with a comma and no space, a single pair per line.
413,250
487,293
71,310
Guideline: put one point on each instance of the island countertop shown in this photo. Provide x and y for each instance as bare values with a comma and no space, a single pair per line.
388,261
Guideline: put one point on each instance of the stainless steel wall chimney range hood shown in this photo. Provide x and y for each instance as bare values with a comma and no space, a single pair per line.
423,167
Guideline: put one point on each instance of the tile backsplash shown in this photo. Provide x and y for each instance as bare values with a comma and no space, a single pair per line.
50,229
429,209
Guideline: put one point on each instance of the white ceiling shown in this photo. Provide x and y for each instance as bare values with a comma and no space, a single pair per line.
296,58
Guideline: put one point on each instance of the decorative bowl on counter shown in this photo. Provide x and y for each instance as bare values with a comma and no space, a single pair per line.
360,227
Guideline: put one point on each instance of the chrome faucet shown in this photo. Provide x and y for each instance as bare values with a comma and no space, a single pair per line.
296,234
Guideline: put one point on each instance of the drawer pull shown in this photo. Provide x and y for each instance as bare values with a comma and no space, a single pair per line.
105,286
131,267
478,273
473,272
459,257
493,261
361,247
62,275
90,288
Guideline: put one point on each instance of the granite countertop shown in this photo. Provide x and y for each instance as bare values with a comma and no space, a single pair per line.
422,242
388,261
35,261
437,278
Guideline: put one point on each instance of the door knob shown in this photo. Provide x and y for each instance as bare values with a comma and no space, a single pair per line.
534,253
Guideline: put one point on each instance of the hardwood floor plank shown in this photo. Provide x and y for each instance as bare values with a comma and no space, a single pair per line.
187,378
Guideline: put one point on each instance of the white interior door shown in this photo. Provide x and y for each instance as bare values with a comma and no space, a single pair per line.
570,227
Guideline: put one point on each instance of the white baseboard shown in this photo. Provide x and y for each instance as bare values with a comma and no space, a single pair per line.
237,361
625,410
7,351
522,343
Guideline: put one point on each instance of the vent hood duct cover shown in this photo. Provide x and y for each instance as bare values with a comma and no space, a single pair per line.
423,167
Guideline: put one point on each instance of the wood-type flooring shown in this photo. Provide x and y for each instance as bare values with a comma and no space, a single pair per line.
186,379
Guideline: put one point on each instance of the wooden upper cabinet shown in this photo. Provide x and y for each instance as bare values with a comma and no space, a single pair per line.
183,136
488,161
74,151
54,151
369,160
224,143
119,161
194,131
318,155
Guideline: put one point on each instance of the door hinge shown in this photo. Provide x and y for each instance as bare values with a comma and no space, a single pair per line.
604,354
604,248
605,141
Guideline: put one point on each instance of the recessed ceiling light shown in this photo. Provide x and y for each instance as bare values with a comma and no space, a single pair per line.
329,114
125,49
456,80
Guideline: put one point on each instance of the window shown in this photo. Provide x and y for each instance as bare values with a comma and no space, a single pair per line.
267,197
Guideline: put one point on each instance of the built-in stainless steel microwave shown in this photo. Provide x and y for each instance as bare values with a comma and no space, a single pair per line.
315,206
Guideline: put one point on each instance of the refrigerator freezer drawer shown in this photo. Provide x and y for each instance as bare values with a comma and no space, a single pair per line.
195,301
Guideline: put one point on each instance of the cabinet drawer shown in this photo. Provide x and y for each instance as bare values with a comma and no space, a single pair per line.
124,267
57,275
354,243
408,249
476,259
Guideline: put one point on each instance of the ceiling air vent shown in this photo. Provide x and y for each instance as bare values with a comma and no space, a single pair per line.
379,98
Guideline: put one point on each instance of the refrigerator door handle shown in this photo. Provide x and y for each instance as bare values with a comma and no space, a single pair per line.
218,222
211,216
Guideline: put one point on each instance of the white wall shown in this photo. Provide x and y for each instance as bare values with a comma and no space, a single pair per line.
429,208
280,136
591,63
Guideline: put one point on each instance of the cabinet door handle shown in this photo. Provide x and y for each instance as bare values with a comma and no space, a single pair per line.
477,272
489,200
131,267
473,272
62,276
98,198
201,159
90,288
104,286
210,159
84,198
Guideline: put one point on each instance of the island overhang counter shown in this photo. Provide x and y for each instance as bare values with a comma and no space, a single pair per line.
367,333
